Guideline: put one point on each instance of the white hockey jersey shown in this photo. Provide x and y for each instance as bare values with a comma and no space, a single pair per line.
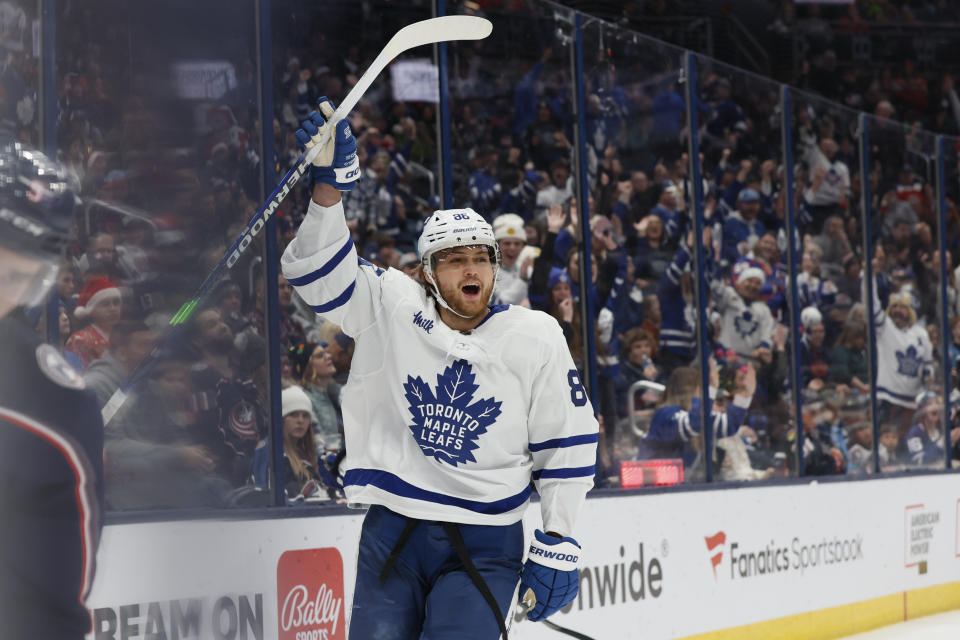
836,183
744,326
442,425
904,359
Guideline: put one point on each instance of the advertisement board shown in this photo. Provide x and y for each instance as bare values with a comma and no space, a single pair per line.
669,565
415,81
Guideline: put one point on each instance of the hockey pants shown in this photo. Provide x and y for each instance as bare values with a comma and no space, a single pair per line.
426,592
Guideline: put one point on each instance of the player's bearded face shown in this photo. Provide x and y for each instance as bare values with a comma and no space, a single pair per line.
465,278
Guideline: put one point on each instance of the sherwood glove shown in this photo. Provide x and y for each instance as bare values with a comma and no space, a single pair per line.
549,577
337,163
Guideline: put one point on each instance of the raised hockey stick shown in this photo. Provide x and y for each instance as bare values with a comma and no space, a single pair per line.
529,601
429,31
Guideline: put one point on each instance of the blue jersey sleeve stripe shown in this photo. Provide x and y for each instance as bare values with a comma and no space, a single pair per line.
327,267
559,443
339,301
567,472
395,485
367,263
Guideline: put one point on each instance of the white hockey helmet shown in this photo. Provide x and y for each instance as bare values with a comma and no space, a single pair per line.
448,228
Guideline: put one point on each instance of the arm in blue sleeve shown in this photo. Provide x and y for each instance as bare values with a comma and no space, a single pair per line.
399,165
696,423
561,247
621,211
735,417
724,425
261,465
670,280
730,194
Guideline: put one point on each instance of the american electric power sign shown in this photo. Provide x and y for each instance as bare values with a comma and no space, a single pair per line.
729,555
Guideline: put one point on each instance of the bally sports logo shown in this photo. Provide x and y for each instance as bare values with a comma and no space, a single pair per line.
310,595
715,541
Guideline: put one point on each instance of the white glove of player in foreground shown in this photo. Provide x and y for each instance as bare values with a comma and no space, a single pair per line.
337,162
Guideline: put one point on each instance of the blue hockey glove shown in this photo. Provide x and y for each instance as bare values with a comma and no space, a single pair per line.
549,580
337,163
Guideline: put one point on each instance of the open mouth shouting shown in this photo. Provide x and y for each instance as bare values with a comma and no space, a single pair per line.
471,291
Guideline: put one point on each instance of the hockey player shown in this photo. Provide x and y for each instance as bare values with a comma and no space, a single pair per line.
445,468
51,434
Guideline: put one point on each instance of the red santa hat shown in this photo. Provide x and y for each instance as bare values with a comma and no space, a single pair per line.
97,290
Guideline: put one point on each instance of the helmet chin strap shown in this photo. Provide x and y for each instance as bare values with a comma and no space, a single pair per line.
443,303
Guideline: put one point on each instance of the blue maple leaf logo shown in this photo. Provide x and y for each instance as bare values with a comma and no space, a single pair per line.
908,363
446,421
745,325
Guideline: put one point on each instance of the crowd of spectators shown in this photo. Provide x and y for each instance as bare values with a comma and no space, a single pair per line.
842,62
165,194
856,53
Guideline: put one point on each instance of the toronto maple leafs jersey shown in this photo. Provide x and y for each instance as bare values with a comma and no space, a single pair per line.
745,325
904,359
438,424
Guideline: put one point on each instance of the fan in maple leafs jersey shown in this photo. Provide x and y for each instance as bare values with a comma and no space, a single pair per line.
451,409
904,354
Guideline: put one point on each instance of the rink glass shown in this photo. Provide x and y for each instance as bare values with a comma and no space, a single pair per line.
161,126
633,138
159,122
740,142
829,222
903,213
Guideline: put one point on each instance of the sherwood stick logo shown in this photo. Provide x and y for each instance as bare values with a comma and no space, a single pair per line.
716,540
255,228
799,555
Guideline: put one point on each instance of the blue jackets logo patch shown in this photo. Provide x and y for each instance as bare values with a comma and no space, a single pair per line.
446,422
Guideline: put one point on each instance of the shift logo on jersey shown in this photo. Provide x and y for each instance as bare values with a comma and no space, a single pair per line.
447,422
908,363
422,322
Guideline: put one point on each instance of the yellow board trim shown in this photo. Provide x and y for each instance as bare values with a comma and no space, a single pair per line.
848,619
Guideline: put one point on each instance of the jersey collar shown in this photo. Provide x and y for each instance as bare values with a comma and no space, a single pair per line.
494,309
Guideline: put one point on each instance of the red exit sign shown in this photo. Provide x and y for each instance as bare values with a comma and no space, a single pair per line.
651,473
